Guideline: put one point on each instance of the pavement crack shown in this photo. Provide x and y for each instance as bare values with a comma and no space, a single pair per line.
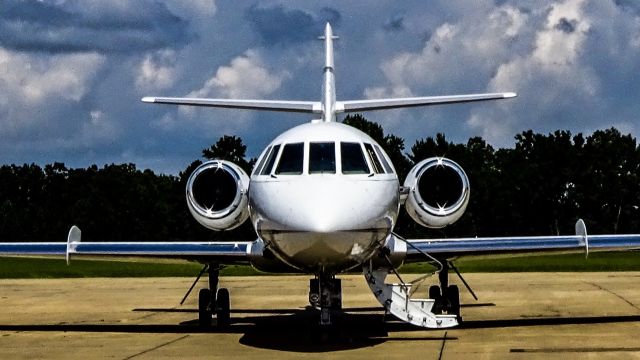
156,347
613,293
444,340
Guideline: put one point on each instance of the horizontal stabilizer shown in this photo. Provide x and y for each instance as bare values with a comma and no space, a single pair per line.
382,104
272,105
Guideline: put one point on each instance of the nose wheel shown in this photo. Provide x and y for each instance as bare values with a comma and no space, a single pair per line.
325,293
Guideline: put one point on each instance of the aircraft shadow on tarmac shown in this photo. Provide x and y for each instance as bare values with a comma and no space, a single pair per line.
296,330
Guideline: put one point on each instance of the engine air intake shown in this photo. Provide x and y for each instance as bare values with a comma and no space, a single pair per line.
438,192
217,195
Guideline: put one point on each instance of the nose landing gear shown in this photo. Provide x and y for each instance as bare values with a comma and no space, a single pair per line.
325,293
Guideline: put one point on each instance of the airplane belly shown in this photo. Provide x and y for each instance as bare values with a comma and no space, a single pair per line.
335,227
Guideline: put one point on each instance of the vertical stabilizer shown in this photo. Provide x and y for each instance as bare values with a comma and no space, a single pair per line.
329,84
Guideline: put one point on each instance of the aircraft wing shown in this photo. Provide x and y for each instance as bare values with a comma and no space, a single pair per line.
273,105
495,245
382,104
222,252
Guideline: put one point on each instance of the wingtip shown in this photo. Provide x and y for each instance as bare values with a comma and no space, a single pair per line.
510,95
148,99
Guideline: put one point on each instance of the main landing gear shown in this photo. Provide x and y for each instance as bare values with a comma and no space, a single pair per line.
325,293
213,301
446,297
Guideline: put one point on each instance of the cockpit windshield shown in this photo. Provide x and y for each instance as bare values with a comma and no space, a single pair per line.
291,160
271,159
322,158
353,161
373,159
387,168
256,169
354,158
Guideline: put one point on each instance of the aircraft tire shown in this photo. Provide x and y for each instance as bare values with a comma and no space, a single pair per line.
434,292
204,308
223,307
453,293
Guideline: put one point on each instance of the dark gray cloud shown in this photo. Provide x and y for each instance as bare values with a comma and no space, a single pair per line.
45,27
280,25
565,25
394,24
629,5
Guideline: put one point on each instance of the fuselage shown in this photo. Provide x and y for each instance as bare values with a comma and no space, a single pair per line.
323,196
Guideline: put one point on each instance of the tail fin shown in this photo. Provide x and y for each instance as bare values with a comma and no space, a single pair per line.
329,107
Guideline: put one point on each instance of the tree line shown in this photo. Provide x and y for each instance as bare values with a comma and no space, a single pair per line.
541,186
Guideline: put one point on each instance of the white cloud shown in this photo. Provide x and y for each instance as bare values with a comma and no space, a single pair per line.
157,71
554,76
508,18
561,41
35,86
460,56
384,92
98,129
408,69
193,8
33,79
557,56
166,122
456,54
246,77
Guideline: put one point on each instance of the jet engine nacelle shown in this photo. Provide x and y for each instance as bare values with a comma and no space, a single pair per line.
438,192
217,195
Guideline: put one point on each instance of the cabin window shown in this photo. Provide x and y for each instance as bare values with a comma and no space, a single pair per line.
373,158
271,158
387,167
322,158
256,170
291,160
353,161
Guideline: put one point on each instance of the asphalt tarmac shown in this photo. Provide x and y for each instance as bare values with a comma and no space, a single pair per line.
521,316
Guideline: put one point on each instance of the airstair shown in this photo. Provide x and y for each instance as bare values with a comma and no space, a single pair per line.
396,300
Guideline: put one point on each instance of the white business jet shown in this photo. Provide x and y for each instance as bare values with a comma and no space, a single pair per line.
323,199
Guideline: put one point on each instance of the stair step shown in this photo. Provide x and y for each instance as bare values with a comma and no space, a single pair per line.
395,299
424,304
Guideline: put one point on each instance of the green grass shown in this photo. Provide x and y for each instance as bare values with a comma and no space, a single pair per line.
32,267
604,261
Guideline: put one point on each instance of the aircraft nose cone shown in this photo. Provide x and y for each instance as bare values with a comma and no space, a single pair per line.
323,216
336,206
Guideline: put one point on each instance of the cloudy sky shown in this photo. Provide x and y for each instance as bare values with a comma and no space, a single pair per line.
72,72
